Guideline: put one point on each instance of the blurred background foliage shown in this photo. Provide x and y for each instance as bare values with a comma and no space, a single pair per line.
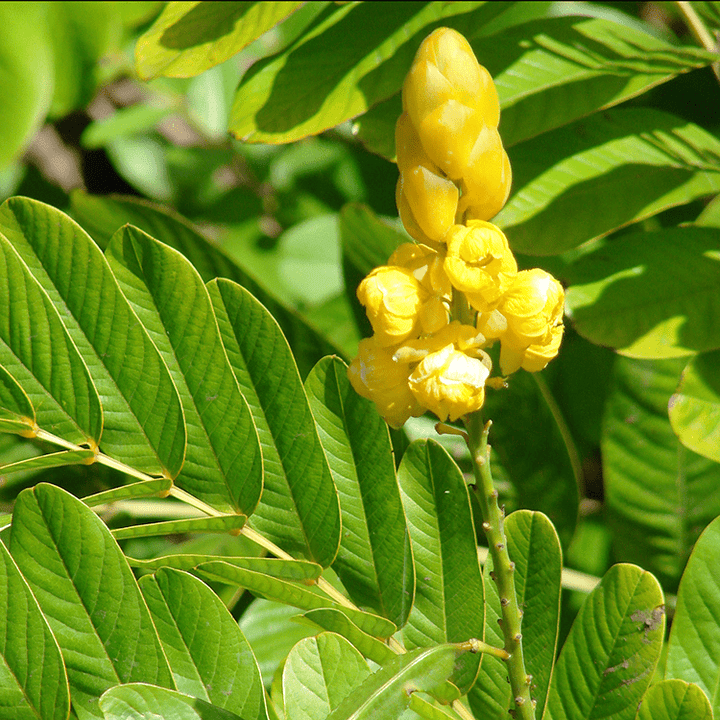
102,118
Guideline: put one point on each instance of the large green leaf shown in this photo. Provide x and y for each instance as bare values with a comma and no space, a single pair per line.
534,547
102,216
15,405
386,693
33,681
374,561
88,595
609,657
319,673
191,37
206,650
675,700
534,446
694,648
552,71
695,407
300,509
659,495
140,702
613,298
38,354
26,78
631,163
223,460
284,98
449,600
144,424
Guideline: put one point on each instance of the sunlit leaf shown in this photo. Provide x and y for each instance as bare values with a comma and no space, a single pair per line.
534,547
15,405
694,648
87,594
300,509
695,407
190,37
140,702
319,673
38,354
659,495
224,523
613,297
633,163
675,700
374,561
611,652
206,650
143,418
32,675
223,460
449,600
51,460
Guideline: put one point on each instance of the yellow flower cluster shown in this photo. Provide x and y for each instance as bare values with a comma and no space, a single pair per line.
442,301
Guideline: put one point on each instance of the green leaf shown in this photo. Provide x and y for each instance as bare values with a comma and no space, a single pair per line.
104,215
613,297
292,570
659,495
87,593
694,646
15,405
695,407
384,694
320,672
632,163
449,600
300,596
429,711
284,98
159,487
51,460
26,80
191,37
552,71
675,700
531,440
222,524
300,509
374,561
140,702
143,417
32,675
223,460
207,652
609,657
336,621
51,373
534,547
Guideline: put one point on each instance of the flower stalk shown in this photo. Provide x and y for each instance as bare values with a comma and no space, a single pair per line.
503,568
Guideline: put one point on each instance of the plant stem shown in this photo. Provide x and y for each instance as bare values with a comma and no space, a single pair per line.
503,569
700,32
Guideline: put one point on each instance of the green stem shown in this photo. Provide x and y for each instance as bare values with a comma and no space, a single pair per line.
503,568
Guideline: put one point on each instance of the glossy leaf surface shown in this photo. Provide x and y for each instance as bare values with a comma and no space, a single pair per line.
675,700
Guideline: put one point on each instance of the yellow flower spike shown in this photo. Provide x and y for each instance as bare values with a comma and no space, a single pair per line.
479,263
449,383
376,376
462,337
392,298
533,308
426,265
432,199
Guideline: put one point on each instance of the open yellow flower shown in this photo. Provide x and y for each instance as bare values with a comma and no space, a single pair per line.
450,383
392,298
479,262
533,308
376,376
